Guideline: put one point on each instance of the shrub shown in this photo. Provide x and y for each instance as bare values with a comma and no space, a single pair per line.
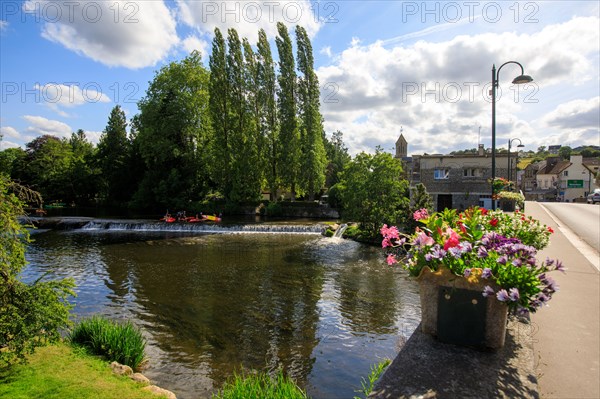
123,343
274,209
261,385
31,315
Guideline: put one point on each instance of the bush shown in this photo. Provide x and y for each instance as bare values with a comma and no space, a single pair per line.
123,343
261,385
31,315
274,209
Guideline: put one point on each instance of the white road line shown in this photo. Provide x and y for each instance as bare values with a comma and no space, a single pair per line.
586,249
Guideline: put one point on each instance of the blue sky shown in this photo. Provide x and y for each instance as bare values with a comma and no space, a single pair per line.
424,67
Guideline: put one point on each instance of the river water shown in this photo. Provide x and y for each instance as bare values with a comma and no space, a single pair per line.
323,309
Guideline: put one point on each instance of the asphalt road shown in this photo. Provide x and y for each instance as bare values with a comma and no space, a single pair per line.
582,219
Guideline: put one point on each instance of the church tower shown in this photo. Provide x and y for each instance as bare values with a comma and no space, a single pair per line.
401,147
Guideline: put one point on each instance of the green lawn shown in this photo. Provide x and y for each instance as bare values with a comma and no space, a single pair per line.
63,372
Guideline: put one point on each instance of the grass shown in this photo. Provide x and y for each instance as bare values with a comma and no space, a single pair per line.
376,372
123,343
260,386
65,372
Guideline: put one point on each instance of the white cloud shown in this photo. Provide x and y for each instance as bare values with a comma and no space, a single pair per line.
247,17
7,131
577,114
439,90
192,43
3,25
326,50
40,126
132,34
56,96
93,137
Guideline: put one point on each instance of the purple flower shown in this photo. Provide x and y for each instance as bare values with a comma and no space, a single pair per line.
502,260
466,246
487,273
522,311
438,252
428,257
455,251
467,272
488,291
513,294
482,252
517,262
549,262
502,296
559,266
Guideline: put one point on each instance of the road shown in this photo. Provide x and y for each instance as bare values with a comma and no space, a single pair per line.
582,219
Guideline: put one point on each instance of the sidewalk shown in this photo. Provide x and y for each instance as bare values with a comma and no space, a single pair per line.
566,334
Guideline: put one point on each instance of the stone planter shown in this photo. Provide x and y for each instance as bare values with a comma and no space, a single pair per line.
454,310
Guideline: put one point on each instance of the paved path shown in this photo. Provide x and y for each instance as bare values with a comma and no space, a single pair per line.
567,340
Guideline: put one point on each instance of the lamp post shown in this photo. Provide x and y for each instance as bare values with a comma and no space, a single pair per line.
522,78
516,162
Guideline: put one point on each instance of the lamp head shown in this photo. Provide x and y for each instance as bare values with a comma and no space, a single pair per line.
520,146
519,80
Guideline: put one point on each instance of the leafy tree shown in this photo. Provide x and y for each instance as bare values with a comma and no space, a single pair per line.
289,135
9,159
268,127
314,159
31,315
565,152
173,131
113,151
373,192
46,168
84,175
337,156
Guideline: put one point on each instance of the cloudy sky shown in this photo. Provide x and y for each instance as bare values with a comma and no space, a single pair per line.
383,66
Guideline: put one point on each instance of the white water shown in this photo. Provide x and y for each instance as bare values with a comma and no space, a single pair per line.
340,231
202,227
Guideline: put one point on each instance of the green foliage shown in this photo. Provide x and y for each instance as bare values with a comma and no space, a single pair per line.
123,343
376,372
31,315
373,192
289,135
173,129
338,157
420,199
274,209
260,385
314,157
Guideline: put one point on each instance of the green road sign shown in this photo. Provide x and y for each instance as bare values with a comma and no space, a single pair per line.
574,183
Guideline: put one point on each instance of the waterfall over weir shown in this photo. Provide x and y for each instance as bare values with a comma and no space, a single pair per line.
340,231
202,227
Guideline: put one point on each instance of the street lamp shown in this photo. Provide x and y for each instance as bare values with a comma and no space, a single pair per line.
516,162
522,78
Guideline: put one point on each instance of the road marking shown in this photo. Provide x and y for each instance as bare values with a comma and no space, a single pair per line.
583,247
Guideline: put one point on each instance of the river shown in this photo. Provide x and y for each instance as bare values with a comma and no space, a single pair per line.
209,304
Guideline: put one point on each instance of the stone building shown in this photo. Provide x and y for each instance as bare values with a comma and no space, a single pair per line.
457,181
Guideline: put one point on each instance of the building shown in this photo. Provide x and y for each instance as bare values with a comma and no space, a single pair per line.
457,181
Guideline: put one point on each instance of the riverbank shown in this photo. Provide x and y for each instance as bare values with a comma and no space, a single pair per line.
62,371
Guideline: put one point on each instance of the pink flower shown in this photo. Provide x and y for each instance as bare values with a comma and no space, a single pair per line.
453,239
423,240
391,259
390,232
420,214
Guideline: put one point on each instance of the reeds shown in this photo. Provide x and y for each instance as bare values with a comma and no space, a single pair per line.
260,385
121,342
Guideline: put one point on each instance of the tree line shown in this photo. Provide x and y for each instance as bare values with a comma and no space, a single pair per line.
243,126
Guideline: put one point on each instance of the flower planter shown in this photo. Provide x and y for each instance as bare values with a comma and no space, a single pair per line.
507,205
454,310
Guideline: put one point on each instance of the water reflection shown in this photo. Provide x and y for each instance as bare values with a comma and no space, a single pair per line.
322,309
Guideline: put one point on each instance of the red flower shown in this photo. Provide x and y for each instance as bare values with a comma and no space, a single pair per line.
483,211
494,222
550,230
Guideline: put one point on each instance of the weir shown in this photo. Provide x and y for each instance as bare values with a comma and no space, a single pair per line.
202,227
340,231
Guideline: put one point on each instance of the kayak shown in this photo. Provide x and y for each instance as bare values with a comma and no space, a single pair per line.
168,219
213,218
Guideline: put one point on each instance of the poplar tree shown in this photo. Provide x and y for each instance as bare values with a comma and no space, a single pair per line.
219,109
268,129
314,157
289,137
242,139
